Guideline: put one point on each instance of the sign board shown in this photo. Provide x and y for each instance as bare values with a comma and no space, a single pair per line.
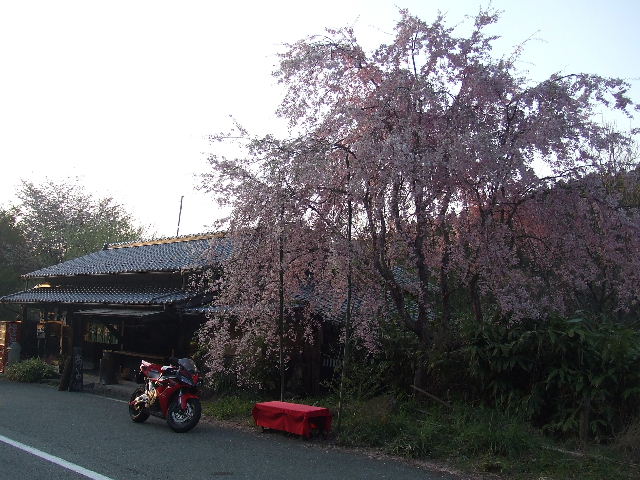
76,370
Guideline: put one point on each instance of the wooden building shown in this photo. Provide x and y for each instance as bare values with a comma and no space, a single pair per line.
127,301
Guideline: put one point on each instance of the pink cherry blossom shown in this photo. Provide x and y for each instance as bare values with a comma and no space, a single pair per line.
432,141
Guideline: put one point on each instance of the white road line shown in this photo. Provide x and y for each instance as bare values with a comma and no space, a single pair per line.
107,398
57,460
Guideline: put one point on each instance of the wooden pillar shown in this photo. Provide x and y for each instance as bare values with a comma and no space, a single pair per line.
75,382
29,342
180,350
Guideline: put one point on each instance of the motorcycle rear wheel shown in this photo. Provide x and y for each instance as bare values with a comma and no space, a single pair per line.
138,412
184,420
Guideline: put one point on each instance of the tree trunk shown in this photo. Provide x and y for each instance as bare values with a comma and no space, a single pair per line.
475,299
585,414
421,375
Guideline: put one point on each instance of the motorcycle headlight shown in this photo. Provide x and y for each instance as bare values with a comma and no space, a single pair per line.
185,379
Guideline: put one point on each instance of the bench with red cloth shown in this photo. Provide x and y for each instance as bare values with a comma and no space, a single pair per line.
292,417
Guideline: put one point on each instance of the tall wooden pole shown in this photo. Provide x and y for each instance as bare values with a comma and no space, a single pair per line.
281,301
347,321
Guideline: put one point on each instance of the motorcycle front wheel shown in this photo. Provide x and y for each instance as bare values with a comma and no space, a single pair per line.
138,412
184,420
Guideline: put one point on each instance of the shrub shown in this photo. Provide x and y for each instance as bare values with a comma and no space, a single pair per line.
29,371
404,428
567,376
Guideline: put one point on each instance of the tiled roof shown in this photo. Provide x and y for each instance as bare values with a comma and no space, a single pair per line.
169,255
110,295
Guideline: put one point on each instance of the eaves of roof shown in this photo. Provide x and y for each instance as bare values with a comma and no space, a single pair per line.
207,309
73,294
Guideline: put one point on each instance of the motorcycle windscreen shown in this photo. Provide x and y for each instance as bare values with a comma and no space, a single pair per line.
188,365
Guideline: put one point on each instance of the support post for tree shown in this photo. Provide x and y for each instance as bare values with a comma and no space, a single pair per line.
281,303
347,321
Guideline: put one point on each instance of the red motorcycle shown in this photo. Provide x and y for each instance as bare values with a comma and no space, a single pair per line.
169,392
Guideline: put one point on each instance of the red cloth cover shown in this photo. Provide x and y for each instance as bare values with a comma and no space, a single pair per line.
292,417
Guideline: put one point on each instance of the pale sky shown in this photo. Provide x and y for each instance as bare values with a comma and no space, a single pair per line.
123,94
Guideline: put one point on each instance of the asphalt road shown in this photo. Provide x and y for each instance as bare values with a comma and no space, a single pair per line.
50,435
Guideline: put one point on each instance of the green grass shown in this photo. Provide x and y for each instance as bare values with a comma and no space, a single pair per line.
595,463
470,438
236,408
